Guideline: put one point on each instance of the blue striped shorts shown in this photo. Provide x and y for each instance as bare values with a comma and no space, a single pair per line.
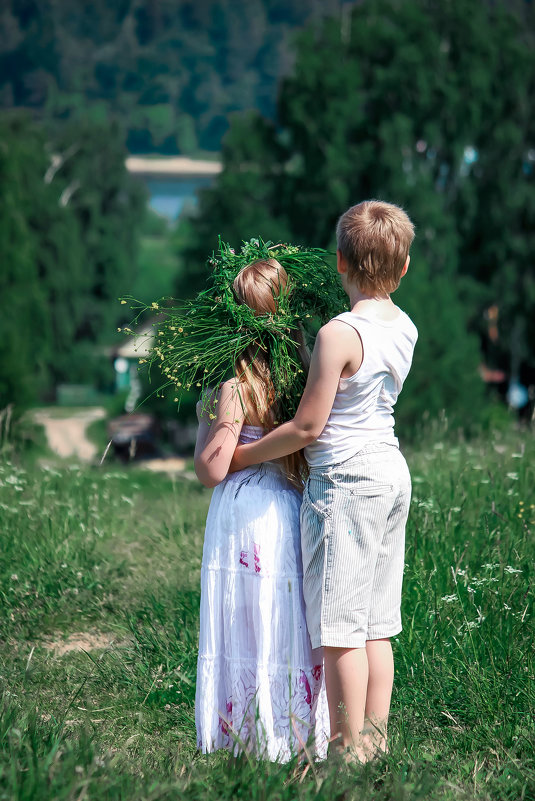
353,520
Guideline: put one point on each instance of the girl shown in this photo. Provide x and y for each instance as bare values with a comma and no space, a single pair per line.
260,687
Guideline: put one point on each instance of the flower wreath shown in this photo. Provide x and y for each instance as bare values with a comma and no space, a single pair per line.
197,342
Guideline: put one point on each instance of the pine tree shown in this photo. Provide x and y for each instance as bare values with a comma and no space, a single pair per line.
423,104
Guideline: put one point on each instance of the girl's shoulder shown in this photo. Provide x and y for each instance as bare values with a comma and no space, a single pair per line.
239,393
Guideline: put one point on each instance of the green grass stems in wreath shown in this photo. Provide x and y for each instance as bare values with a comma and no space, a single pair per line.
197,342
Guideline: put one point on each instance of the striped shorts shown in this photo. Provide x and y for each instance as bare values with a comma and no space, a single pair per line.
353,520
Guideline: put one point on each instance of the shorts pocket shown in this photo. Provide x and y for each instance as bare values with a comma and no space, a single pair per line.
328,556
363,486
315,496
370,491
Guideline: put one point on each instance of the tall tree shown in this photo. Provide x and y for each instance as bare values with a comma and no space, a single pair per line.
425,104
68,227
24,318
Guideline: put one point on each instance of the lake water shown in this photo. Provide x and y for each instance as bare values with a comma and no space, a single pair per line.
170,197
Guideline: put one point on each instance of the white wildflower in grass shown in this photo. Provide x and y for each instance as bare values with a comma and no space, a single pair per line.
510,569
449,598
477,582
14,577
427,504
512,476
468,625
506,606
470,589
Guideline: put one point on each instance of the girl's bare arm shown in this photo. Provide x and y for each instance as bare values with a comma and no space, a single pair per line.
217,438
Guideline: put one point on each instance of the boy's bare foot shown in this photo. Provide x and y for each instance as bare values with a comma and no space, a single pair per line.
372,746
373,743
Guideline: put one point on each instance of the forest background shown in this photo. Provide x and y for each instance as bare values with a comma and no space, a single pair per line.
311,106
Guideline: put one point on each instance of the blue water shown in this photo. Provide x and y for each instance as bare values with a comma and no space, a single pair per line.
171,197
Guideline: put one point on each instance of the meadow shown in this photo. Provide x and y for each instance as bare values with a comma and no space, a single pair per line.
99,594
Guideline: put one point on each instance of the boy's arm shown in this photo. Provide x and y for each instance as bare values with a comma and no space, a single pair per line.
336,344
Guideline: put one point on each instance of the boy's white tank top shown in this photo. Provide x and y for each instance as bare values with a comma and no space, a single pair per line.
362,411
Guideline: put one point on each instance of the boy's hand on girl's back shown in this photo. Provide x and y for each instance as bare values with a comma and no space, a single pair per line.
235,463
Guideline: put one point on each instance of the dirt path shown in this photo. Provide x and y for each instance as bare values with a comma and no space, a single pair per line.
67,436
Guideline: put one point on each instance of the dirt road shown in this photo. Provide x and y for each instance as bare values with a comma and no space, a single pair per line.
66,436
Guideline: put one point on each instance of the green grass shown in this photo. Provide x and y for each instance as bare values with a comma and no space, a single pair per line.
115,554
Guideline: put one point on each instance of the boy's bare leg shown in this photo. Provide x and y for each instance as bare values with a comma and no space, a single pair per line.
346,678
379,693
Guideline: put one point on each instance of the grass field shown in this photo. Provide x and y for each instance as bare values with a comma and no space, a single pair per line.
108,559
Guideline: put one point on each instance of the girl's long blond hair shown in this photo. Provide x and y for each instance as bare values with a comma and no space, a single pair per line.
258,285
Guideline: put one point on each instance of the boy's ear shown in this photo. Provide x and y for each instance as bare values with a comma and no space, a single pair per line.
405,266
341,263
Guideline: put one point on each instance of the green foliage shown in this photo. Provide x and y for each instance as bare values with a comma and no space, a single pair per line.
244,203
108,205
69,217
118,571
444,376
170,72
25,324
413,103
156,261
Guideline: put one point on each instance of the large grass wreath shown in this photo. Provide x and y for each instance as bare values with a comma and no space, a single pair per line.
197,342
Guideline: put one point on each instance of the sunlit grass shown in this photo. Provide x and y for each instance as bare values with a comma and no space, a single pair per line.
114,555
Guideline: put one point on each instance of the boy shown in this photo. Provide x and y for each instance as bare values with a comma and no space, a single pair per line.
356,500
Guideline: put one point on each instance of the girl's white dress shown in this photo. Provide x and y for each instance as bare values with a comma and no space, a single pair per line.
260,687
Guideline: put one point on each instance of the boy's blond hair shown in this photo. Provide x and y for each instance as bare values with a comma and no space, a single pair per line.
374,238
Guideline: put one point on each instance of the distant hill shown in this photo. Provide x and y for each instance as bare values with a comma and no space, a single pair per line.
169,71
